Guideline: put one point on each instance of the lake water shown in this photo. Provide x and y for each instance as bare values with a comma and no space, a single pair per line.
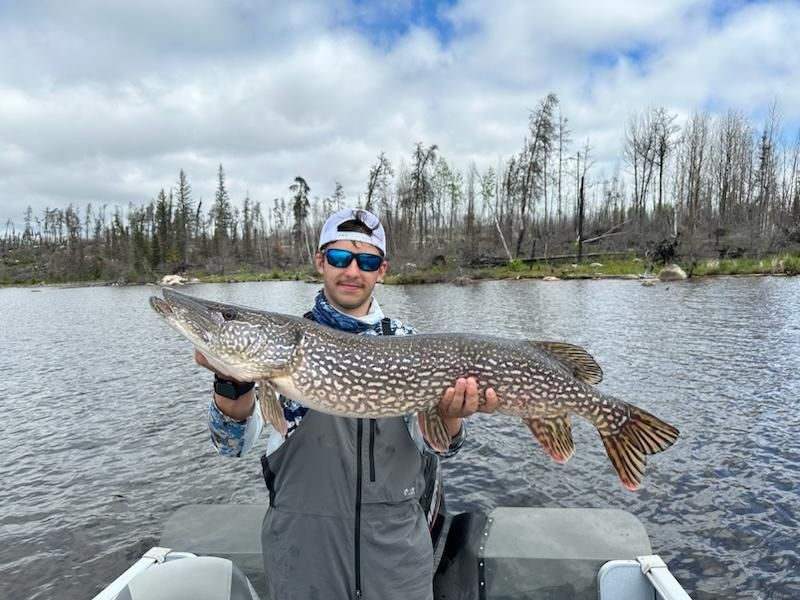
104,423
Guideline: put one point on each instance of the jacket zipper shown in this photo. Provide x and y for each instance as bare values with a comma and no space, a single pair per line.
357,545
372,427
386,330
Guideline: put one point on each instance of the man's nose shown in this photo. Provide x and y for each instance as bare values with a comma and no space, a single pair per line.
352,269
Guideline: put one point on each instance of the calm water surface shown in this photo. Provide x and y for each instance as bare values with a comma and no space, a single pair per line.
104,423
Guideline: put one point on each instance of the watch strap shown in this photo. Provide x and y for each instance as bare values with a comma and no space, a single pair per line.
233,390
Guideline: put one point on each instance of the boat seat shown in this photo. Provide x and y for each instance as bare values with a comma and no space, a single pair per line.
195,578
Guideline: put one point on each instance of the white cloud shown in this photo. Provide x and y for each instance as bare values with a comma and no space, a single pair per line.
104,103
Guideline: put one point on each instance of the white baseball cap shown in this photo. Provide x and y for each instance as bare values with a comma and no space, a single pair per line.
330,230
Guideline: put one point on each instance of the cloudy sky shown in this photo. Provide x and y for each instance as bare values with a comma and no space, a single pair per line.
105,101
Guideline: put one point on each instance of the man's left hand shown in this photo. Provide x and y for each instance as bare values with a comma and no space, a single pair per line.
462,400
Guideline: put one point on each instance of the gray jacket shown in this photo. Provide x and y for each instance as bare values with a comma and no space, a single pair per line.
344,518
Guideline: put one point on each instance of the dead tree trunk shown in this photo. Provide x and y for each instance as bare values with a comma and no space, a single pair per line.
579,255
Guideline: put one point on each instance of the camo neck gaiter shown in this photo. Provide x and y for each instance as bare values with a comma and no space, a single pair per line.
325,314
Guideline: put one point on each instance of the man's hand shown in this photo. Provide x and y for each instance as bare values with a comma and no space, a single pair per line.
462,400
238,409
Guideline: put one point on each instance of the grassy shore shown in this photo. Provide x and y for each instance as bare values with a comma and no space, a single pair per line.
244,276
610,267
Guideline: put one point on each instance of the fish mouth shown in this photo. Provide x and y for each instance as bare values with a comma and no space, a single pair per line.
189,317
202,322
161,307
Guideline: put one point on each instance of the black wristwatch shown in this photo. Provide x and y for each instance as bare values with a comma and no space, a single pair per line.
231,389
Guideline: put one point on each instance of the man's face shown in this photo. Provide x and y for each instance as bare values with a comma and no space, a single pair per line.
350,289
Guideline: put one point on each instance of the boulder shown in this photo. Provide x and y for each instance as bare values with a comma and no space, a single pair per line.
672,273
173,280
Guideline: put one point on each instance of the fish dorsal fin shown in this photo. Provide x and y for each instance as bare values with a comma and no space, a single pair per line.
575,358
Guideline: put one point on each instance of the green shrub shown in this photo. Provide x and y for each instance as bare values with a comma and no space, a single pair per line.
791,265
515,265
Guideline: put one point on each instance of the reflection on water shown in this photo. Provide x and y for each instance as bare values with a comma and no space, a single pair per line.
104,429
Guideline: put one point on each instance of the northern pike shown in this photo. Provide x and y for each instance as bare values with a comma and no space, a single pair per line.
351,375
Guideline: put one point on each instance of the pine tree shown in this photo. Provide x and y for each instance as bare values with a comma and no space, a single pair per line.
183,229
300,208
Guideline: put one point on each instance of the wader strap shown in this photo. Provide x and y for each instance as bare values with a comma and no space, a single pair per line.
386,326
269,478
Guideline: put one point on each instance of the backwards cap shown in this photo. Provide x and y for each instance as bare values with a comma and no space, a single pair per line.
330,231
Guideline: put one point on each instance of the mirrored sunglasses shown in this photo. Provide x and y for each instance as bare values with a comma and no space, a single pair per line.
341,259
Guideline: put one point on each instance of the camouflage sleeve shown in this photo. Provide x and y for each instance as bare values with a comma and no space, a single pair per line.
229,436
455,443
416,434
400,328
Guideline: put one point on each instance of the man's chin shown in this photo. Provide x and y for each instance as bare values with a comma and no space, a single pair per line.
351,301
351,304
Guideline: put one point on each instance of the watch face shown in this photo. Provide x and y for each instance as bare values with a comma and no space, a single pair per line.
226,389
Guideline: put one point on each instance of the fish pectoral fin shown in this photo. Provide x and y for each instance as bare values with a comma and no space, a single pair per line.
642,434
270,405
576,359
434,430
554,434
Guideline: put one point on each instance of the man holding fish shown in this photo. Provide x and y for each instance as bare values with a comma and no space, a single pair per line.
344,473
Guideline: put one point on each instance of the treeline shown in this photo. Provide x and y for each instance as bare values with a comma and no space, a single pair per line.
721,186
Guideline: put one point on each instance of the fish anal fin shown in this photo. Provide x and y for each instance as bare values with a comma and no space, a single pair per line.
576,359
434,430
554,434
271,409
642,434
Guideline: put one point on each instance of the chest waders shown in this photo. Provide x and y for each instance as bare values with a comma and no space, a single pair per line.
345,519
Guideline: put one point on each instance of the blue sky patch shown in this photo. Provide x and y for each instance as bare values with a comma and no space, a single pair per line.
383,23
721,10
637,55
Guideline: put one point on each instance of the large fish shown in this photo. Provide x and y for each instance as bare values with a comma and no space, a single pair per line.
375,376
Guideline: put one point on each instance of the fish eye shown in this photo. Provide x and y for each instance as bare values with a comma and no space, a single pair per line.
228,314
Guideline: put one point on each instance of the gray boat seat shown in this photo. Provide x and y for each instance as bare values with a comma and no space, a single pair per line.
195,578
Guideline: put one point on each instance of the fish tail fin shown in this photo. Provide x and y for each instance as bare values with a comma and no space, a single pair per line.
554,434
640,435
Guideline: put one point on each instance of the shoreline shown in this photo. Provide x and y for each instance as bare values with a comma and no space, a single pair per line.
456,276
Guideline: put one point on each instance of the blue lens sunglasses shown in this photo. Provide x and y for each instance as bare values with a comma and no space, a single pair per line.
341,259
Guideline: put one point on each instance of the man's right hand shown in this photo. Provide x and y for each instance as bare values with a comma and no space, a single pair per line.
239,409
